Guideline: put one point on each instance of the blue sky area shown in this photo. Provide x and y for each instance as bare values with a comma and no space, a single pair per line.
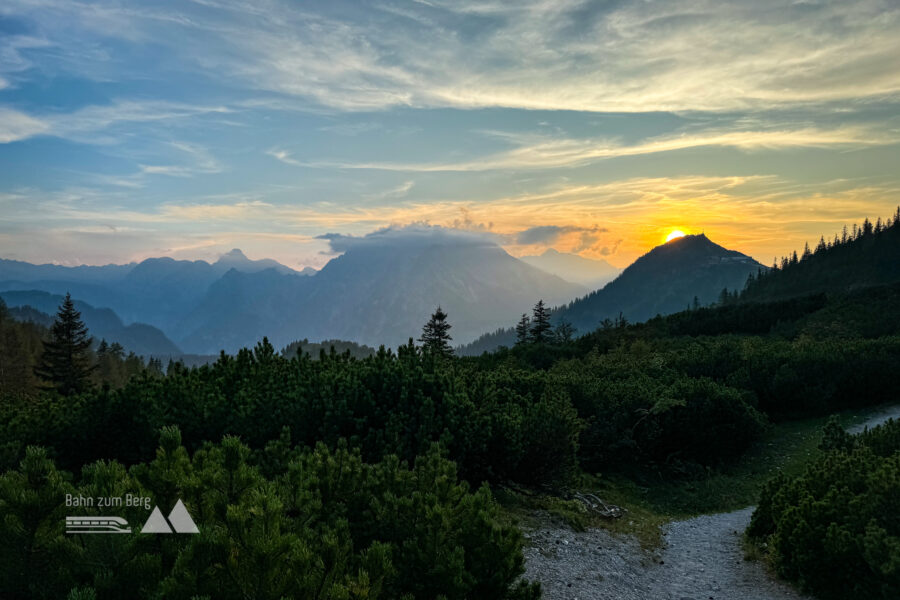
137,129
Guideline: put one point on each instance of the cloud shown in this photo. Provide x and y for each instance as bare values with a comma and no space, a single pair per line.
238,211
548,234
681,55
630,57
284,156
398,191
532,151
84,124
97,118
15,126
414,235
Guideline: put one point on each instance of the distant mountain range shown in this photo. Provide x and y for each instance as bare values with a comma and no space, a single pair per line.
379,291
103,323
592,273
377,294
663,281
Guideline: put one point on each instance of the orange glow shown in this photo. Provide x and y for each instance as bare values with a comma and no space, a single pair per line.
674,235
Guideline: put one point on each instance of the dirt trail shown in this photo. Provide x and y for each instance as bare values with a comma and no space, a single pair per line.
701,559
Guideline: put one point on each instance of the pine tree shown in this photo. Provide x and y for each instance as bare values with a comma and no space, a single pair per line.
435,334
522,329
66,362
540,323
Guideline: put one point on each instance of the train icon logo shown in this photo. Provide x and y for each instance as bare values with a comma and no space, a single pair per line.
97,525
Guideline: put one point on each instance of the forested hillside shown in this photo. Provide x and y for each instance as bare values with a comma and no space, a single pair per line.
863,256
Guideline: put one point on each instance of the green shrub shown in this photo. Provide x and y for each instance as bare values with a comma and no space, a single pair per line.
834,530
325,524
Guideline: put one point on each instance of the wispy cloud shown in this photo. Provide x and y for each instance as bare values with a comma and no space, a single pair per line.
542,152
683,55
15,126
88,124
399,191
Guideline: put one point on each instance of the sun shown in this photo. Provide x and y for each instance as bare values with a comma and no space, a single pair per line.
674,235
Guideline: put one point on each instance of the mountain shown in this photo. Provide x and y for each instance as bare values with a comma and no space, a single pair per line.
380,291
592,273
15,270
664,281
102,323
235,259
384,293
239,309
156,291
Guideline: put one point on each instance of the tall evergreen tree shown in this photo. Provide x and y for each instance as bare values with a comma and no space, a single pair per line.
436,334
522,329
66,362
540,323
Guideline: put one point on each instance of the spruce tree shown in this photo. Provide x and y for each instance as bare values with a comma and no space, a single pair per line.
522,328
540,323
436,334
66,362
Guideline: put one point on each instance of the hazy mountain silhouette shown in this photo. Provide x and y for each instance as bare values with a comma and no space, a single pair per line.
239,309
156,291
384,293
592,273
103,323
380,292
235,259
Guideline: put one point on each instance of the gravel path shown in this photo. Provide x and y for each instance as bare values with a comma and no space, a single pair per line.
701,559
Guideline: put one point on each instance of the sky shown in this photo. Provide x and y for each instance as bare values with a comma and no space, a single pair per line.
131,129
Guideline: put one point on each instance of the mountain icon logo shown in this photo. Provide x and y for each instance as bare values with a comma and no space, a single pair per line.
178,521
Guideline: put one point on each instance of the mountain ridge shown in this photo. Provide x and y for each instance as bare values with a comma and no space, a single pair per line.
592,273
102,322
